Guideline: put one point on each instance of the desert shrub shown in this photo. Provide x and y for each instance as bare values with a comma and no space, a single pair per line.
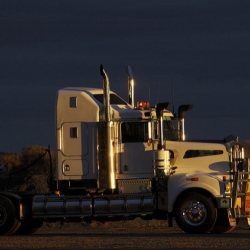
34,183
12,160
27,171
36,160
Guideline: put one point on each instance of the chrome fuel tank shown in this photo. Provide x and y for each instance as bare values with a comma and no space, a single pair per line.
129,204
61,206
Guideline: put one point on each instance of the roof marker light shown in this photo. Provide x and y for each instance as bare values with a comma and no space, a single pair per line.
142,104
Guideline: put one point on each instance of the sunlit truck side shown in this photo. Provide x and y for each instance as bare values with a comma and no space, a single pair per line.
117,161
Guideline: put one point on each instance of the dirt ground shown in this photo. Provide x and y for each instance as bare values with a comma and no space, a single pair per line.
65,227
127,225
136,234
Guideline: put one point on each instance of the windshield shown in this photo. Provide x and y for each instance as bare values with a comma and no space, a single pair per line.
169,131
114,99
138,131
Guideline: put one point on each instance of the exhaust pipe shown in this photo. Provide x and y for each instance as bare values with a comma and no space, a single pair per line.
159,113
131,100
106,169
181,118
162,155
106,96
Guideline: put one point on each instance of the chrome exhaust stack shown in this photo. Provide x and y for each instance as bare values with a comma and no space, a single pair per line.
106,96
181,118
106,169
159,114
162,155
131,99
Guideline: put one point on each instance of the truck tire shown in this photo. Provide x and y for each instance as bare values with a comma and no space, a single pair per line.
222,224
8,219
29,226
195,213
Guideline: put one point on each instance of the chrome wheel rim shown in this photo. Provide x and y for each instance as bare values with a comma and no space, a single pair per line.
194,213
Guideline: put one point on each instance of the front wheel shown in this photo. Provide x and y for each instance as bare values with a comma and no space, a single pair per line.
195,213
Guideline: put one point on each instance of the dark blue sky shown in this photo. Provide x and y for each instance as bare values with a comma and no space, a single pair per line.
200,47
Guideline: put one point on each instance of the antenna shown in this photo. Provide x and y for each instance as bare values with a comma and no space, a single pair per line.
158,93
148,92
173,97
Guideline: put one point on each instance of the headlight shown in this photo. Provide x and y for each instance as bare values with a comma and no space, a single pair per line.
228,187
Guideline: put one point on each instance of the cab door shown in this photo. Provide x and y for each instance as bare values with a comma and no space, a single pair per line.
135,155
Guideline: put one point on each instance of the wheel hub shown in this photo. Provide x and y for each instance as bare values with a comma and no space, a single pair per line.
194,213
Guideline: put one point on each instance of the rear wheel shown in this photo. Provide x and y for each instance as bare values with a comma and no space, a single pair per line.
8,219
222,224
195,213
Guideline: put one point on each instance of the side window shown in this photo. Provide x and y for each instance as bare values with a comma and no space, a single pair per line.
199,153
134,131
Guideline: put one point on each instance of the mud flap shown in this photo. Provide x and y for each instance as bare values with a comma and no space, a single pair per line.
231,217
232,222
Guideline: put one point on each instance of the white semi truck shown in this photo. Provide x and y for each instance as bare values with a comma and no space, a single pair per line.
115,160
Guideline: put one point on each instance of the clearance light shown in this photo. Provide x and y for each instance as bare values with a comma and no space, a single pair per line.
142,105
194,179
248,220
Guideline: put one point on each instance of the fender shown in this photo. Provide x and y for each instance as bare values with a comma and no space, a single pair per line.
11,195
177,184
17,202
